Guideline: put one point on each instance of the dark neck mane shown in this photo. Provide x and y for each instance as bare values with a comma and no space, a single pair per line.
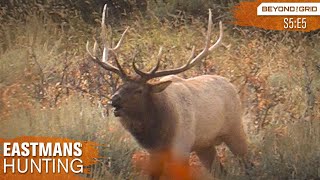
153,125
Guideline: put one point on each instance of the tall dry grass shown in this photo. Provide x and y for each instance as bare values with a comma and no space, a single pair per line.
277,74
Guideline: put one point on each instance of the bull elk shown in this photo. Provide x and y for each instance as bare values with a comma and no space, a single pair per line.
174,114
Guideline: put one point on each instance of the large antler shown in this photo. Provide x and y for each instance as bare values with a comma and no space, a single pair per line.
190,63
106,51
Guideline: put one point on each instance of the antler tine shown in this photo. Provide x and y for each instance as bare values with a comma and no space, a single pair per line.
137,70
191,56
153,70
105,54
88,51
192,61
104,63
121,40
106,49
103,25
208,48
118,64
218,42
208,38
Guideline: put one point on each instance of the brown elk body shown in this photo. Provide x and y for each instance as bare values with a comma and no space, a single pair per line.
175,114
189,115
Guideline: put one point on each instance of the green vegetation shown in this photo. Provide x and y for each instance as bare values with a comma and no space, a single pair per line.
49,87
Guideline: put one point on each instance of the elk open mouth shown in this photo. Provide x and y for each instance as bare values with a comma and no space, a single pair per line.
117,111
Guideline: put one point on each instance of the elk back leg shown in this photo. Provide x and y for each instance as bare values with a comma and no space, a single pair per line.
237,144
207,157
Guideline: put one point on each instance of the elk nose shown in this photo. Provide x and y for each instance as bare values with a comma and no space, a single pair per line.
115,100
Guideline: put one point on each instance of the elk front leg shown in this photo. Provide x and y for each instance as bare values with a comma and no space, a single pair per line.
178,166
156,164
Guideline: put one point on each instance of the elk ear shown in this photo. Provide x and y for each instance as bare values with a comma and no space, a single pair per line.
160,86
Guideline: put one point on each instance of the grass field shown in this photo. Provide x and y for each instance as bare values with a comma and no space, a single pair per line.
48,87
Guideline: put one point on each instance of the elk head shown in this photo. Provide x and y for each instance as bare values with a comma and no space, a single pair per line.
131,97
